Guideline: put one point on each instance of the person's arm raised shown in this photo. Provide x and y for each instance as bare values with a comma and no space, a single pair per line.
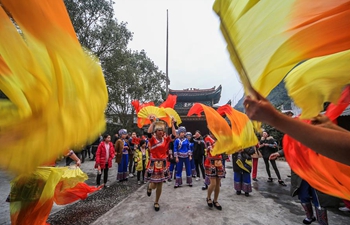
332,143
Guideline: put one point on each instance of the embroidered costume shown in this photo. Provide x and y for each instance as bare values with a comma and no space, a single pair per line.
157,170
121,148
182,151
213,164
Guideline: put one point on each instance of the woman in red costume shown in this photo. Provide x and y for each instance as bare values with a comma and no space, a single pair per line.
214,170
157,170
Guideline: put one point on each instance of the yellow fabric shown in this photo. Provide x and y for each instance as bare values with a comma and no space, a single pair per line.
242,132
172,113
229,140
57,92
32,195
318,80
271,37
155,111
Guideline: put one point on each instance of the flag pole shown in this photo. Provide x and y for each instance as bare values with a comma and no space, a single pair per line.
167,53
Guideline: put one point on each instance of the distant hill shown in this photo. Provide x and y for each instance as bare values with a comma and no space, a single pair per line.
277,97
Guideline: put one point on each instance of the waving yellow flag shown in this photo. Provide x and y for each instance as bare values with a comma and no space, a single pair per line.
266,39
56,90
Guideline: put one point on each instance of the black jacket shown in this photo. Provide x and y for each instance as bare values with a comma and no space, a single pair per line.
266,151
198,148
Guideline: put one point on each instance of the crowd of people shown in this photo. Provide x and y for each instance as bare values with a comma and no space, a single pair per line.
158,156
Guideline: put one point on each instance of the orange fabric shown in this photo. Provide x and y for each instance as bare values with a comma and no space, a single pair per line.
65,196
32,212
333,111
322,173
141,121
138,107
44,16
228,139
312,19
195,109
169,102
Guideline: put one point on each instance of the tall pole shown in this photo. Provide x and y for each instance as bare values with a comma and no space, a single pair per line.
167,53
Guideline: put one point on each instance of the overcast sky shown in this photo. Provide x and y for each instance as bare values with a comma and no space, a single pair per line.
198,57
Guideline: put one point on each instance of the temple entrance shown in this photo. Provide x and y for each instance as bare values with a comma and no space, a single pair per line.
185,100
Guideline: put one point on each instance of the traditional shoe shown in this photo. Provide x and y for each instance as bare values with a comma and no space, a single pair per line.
238,192
269,179
254,179
190,185
149,191
308,221
156,206
246,194
217,205
176,186
209,202
8,198
282,183
344,209
205,187
139,182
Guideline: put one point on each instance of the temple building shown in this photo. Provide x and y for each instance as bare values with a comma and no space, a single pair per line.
187,97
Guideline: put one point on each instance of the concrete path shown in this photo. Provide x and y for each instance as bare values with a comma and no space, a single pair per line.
269,203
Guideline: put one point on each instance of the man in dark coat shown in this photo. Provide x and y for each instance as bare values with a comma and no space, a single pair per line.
198,153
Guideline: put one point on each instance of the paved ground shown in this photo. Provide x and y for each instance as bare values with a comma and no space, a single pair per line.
269,203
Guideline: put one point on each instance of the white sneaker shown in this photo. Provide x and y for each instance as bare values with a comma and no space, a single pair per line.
131,175
344,209
197,178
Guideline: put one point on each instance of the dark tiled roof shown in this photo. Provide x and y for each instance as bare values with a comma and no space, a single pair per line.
198,95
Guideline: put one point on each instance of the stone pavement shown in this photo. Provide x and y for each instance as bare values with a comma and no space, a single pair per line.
269,203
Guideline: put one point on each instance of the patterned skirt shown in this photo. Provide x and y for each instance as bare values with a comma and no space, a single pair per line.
212,170
157,171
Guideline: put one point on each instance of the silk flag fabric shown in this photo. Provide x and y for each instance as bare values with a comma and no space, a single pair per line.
168,106
141,121
56,90
318,80
322,173
266,39
32,195
228,139
145,113
169,102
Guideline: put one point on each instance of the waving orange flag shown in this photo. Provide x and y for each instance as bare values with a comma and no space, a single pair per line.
322,173
228,139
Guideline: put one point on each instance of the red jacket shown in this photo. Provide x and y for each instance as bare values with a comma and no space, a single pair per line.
101,155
